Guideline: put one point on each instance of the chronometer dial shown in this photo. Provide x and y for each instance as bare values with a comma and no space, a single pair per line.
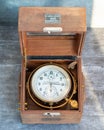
51,83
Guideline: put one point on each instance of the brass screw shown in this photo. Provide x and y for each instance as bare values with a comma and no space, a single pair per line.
26,103
26,108
50,62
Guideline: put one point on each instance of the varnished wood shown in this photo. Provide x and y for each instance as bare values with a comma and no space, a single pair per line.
53,45
51,48
67,43
37,117
73,20
69,116
32,18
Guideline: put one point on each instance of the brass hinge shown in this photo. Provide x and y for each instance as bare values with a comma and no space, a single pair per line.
25,57
78,56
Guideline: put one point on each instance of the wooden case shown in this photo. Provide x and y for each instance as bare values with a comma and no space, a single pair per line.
50,34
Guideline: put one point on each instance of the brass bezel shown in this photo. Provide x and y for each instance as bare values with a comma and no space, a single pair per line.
67,99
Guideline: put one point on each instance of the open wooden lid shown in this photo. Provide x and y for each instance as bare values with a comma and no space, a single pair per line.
51,31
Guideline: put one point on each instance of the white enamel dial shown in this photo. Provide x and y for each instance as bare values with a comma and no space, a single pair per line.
51,83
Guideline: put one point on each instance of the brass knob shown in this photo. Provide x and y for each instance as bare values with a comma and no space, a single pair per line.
74,103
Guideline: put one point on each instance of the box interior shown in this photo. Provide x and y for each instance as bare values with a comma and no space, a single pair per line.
43,44
33,64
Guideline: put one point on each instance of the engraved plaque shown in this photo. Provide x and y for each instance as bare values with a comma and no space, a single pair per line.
52,18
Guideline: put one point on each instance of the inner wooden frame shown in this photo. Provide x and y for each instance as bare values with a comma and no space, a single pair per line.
32,64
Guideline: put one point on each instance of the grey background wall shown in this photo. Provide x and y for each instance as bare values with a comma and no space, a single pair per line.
95,9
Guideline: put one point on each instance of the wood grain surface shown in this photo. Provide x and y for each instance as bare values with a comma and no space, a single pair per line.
32,19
